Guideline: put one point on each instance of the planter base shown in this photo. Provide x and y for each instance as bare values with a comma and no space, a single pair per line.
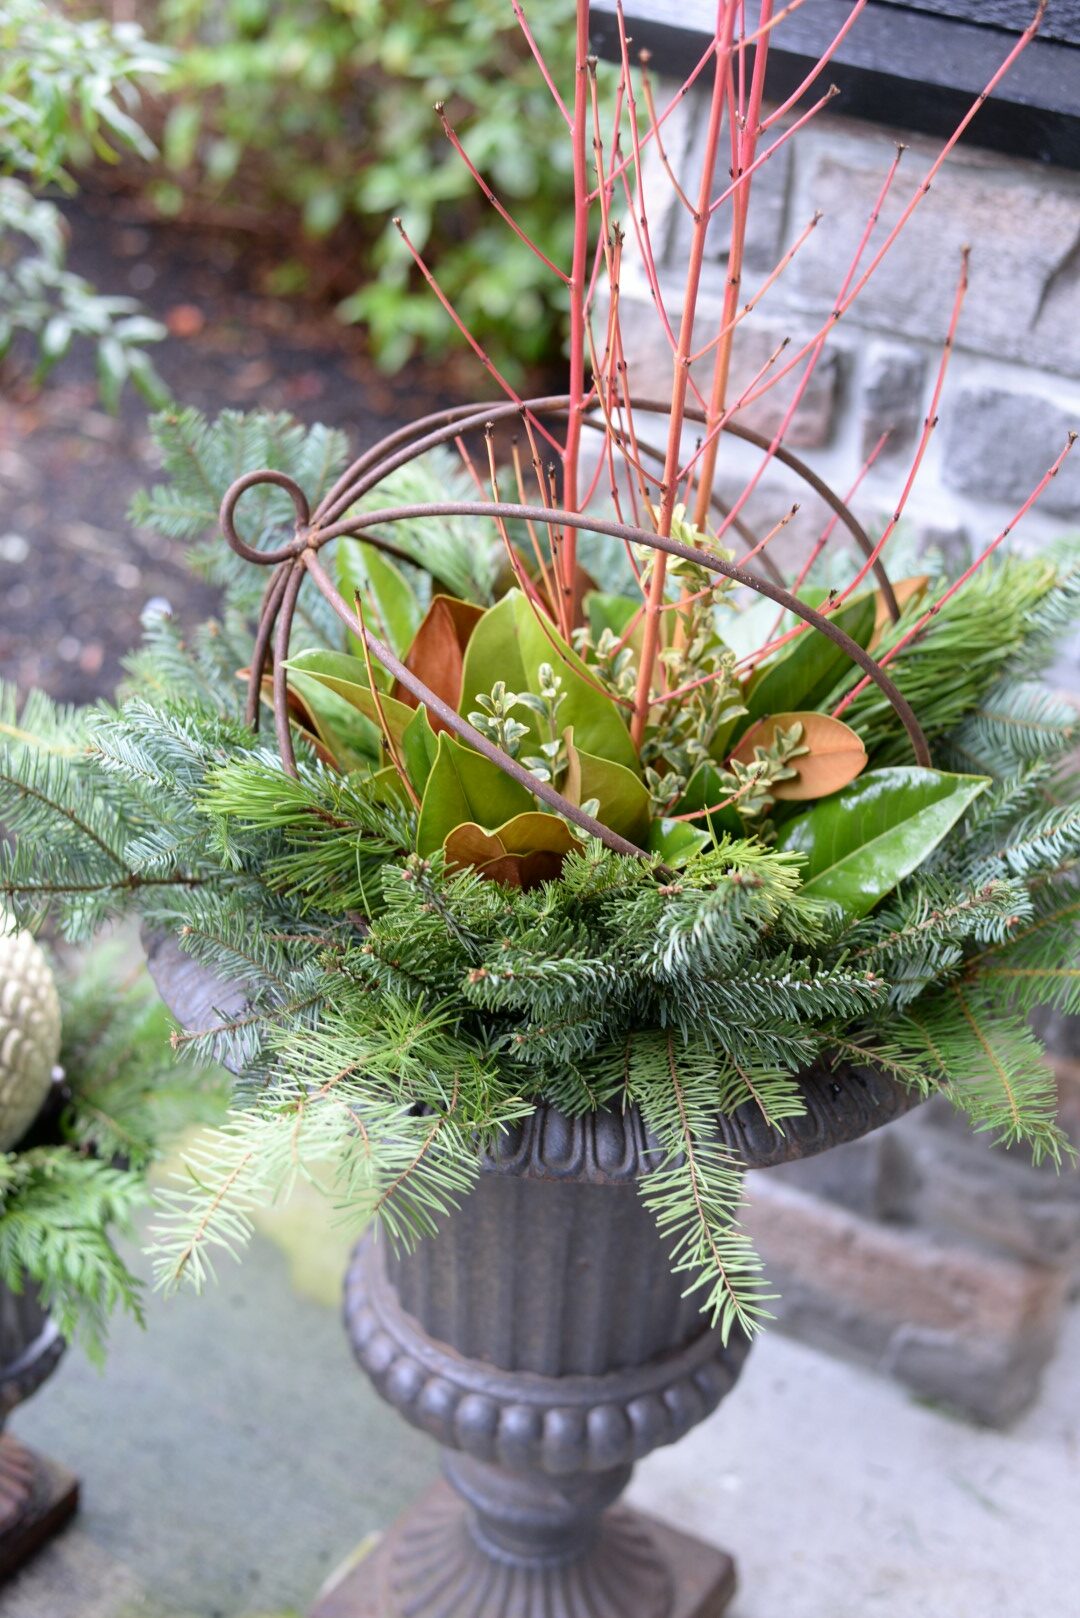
37,1497
430,1566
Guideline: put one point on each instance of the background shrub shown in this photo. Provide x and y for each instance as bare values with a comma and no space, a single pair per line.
324,108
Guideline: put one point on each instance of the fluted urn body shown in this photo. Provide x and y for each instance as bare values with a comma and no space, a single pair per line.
543,1340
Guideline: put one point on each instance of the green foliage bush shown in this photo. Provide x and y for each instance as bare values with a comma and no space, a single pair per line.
325,108
69,90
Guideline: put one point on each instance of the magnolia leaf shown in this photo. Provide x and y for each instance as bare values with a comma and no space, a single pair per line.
836,754
802,675
347,676
523,870
528,833
864,840
349,740
675,841
300,714
905,591
386,786
419,745
493,654
608,612
597,720
622,796
527,850
437,653
461,786
534,832
584,586
391,608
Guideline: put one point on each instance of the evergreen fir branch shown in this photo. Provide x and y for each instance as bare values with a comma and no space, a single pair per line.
1046,938
706,919
543,976
1042,842
1031,987
785,989
694,1194
42,793
1018,722
919,941
40,723
126,1096
951,666
1055,615
57,1210
875,1048
461,559
237,1041
991,1067
201,458
333,841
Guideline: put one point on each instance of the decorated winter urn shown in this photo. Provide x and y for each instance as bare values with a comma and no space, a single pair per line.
541,1339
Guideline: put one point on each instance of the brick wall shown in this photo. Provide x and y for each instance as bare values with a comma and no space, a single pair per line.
922,1250
1013,389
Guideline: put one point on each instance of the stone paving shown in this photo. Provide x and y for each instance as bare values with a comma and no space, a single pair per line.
232,1456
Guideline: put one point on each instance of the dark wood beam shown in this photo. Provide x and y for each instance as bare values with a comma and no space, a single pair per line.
904,66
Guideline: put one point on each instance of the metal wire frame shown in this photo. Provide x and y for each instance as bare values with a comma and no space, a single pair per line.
297,560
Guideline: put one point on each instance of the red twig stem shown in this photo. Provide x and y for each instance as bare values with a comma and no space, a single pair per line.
932,612
539,60
815,72
744,141
480,352
500,209
726,15
579,129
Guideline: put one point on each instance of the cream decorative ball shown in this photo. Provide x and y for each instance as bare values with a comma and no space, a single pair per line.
29,1032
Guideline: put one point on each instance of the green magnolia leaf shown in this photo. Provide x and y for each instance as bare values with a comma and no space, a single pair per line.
676,841
803,675
347,676
386,786
608,612
598,724
353,740
462,786
391,608
419,745
622,796
864,840
493,654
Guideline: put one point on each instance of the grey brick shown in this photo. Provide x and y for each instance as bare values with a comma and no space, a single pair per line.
1023,228
768,207
999,444
892,397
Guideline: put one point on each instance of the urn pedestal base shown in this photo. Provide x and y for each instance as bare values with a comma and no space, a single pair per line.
527,1523
37,1497
429,1565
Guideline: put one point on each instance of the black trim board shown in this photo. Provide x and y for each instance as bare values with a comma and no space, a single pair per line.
911,69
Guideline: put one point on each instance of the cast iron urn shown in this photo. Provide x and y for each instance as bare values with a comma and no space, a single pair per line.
542,1340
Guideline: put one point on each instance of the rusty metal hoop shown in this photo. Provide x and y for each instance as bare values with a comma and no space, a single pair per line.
297,559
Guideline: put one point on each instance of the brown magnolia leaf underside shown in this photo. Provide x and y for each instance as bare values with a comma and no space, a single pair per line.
521,853
437,654
836,754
